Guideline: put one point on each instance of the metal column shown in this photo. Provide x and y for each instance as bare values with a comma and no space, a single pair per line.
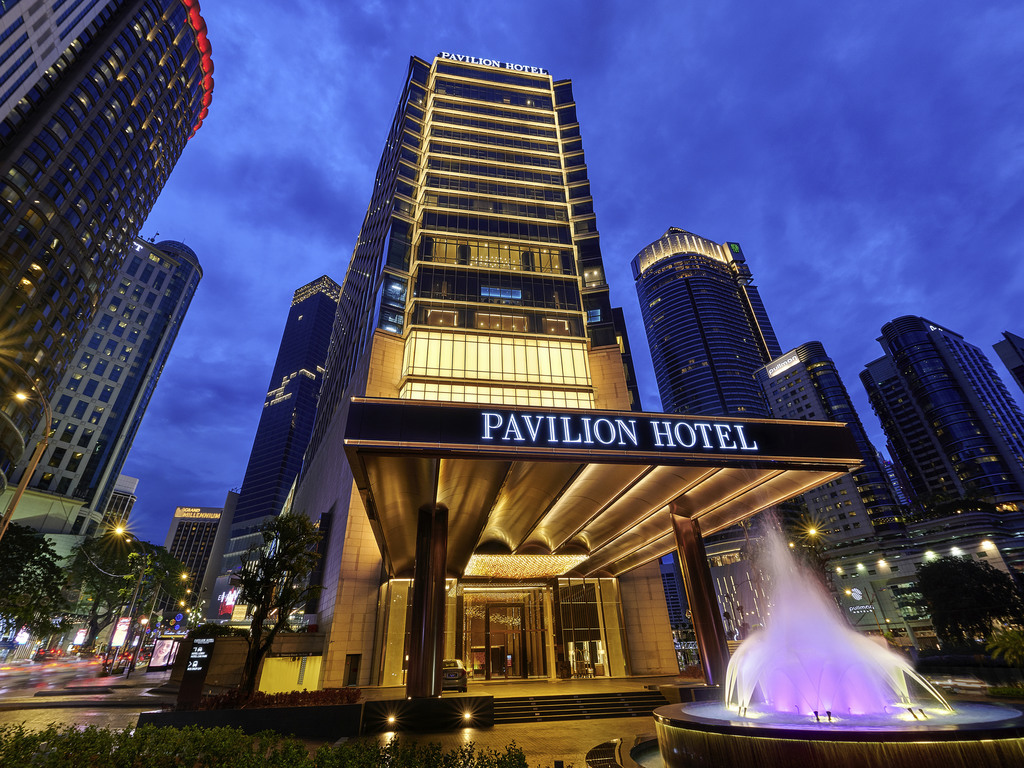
700,595
426,642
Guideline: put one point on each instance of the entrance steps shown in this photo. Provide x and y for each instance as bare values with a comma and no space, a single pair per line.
582,706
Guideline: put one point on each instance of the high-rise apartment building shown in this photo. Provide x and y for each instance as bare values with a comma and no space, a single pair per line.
287,417
85,152
948,417
1011,352
102,398
805,384
706,325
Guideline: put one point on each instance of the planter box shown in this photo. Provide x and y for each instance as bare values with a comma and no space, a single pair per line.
329,723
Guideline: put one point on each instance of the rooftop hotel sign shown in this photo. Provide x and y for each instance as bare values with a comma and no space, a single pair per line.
492,63
622,436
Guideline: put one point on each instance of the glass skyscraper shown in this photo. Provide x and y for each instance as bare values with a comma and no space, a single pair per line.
287,417
948,417
99,406
706,325
85,152
805,384
1011,352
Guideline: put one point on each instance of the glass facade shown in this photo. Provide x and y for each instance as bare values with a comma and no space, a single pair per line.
99,407
949,418
805,384
564,628
477,278
85,153
287,417
706,325
483,235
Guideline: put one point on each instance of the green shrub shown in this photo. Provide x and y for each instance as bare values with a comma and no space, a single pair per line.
237,699
1007,691
193,747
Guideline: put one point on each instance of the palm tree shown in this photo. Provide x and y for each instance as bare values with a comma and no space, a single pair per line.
1008,643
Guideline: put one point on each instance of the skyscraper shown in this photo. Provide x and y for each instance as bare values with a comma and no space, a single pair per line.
948,417
805,384
484,488
103,397
196,537
706,325
477,278
86,151
287,417
1011,352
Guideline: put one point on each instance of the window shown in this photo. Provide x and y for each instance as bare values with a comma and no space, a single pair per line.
74,382
57,456
90,387
97,415
115,373
101,366
74,461
95,341
63,403
85,437
106,394
86,359
80,408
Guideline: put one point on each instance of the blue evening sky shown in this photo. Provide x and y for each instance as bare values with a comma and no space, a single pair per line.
868,156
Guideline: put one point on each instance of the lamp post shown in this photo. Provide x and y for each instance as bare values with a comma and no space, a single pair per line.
37,454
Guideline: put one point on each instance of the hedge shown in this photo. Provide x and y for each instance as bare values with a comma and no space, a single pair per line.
149,747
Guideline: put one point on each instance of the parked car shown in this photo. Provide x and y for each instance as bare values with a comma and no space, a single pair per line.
454,676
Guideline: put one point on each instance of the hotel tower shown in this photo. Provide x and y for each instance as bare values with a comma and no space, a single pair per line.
485,490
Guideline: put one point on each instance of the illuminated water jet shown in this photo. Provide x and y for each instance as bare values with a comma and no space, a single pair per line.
809,691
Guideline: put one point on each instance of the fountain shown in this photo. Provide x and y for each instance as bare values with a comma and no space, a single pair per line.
809,691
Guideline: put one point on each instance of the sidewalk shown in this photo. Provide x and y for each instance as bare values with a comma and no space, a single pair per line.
115,701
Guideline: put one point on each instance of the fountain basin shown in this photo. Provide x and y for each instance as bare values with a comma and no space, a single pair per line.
977,735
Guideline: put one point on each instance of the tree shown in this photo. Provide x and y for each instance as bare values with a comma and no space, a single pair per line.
965,597
32,582
1008,643
106,570
273,581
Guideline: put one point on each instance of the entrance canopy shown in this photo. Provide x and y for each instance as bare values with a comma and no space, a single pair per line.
584,493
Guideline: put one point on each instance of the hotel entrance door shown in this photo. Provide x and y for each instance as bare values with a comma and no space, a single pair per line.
506,634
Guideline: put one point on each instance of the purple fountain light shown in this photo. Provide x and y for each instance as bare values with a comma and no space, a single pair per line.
809,660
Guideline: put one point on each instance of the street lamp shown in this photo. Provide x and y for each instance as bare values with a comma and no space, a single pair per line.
37,454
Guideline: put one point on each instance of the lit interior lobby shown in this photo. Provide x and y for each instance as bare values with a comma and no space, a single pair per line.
504,531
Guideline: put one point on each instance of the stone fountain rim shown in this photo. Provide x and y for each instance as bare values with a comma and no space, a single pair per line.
676,716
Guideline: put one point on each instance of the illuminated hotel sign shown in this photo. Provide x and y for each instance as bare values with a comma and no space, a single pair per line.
778,366
386,425
592,430
493,63
196,512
